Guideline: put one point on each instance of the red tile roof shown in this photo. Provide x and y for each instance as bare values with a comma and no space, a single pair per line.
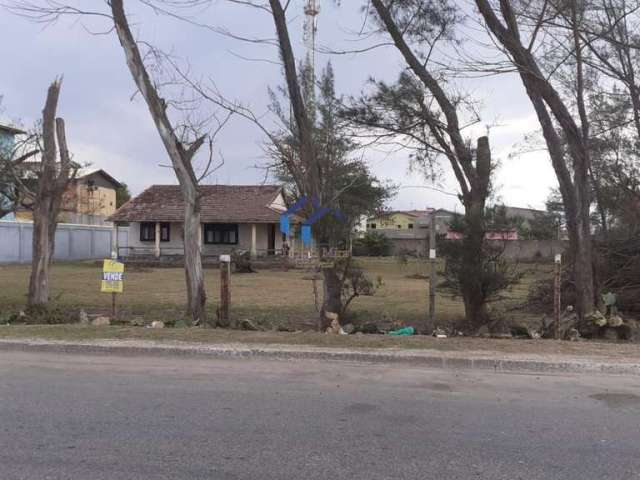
219,204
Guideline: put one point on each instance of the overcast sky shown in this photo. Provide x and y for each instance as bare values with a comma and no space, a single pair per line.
109,127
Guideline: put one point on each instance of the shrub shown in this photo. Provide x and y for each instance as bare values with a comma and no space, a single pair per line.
373,244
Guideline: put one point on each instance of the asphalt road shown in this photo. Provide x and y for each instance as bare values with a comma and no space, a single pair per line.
95,417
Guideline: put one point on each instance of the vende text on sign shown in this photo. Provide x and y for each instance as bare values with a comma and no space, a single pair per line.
112,277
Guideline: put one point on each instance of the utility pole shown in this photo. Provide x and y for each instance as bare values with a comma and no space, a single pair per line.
432,271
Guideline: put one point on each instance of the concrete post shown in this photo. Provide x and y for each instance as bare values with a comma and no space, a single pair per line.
225,291
432,270
115,250
92,245
254,250
157,249
20,247
557,287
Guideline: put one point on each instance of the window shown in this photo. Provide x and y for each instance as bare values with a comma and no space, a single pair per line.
399,227
373,226
221,233
410,226
165,232
148,232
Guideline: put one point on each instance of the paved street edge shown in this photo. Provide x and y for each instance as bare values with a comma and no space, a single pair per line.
424,358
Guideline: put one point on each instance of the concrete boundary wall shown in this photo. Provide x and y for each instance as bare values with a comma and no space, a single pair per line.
73,242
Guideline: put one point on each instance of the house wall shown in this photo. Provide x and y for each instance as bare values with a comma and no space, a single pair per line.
392,221
6,142
98,200
175,245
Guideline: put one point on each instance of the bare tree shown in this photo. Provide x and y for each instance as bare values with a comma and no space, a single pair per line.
564,123
181,156
53,179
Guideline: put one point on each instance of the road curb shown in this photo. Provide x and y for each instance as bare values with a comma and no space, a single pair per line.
428,359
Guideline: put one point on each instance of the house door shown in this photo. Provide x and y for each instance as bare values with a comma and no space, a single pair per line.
271,246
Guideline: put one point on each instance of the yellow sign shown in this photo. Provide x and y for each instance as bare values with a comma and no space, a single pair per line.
112,277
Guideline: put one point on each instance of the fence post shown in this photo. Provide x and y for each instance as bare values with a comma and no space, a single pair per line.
92,246
20,249
71,231
432,271
225,290
556,295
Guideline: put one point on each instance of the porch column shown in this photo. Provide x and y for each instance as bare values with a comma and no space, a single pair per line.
157,252
254,250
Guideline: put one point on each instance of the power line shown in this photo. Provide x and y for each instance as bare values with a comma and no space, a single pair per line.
435,189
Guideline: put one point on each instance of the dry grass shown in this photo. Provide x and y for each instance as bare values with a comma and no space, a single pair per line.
271,296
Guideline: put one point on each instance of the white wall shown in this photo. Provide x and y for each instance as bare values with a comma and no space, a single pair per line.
73,242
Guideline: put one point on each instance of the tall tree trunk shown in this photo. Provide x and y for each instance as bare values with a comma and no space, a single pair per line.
332,295
52,183
473,260
311,178
473,256
579,226
41,256
196,295
181,157
473,181
547,103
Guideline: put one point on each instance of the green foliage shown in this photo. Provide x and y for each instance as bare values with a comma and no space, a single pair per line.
355,282
50,314
497,274
373,244
346,181
543,226
122,195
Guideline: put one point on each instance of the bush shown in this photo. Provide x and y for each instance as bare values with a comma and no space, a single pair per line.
373,244
498,274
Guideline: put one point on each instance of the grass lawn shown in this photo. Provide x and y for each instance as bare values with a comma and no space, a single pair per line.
271,297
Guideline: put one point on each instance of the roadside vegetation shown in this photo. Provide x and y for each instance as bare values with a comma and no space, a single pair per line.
272,299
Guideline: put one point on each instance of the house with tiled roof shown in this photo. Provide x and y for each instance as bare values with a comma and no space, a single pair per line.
89,199
234,217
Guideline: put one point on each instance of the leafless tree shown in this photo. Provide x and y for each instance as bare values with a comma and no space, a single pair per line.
181,141
181,156
56,171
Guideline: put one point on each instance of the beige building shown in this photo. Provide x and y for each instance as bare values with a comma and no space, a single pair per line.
89,200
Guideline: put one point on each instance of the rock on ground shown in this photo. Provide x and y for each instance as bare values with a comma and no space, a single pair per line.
101,322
